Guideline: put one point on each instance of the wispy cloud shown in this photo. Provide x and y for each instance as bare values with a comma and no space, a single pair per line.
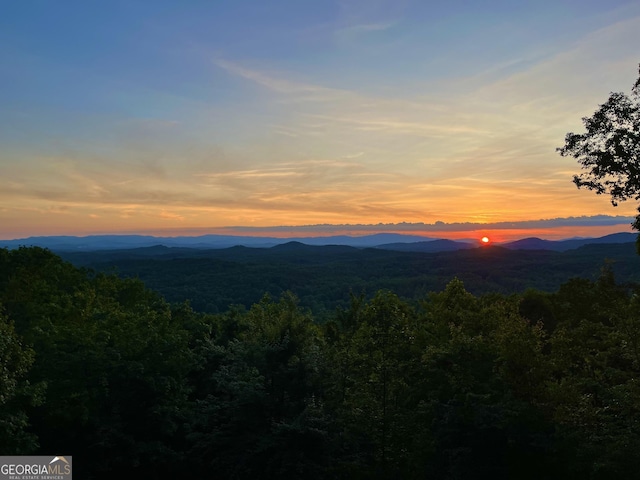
361,16
354,155
362,120
425,128
442,227
359,35
280,85
368,27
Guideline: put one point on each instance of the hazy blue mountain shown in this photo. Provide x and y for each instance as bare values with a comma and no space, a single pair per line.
117,242
534,243
570,244
386,241
431,246
323,276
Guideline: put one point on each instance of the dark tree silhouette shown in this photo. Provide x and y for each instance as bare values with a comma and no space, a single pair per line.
609,151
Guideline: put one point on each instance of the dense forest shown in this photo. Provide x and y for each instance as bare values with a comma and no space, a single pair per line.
456,385
322,277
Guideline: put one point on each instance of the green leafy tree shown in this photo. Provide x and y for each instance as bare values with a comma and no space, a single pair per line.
609,151
592,381
15,391
374,360
113,358
481,390
257,406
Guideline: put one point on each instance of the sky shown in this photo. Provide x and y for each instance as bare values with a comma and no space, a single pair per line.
306,116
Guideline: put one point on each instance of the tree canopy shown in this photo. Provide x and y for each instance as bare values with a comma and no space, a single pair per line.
609,151
539,385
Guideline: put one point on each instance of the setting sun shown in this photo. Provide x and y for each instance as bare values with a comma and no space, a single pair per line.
485,239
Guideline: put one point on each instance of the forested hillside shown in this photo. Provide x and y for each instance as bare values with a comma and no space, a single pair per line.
323,276
530,385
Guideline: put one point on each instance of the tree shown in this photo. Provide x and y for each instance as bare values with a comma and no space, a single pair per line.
609,151
257,405
89,363
482,390
15,391
593,366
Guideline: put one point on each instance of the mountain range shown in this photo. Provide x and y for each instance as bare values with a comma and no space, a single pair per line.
385,241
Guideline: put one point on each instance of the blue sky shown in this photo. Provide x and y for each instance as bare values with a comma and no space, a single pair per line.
140,116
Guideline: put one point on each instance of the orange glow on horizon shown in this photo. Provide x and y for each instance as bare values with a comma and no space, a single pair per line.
55,225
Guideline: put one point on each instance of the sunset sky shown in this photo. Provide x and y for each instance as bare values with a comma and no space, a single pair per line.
246,116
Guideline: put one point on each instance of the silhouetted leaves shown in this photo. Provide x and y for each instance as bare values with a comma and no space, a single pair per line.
609,150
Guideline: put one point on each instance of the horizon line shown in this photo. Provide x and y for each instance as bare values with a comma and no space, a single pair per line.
565,227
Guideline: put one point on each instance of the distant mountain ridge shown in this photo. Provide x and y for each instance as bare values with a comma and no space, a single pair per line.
118,242
385,241
564,245
428,246
323,276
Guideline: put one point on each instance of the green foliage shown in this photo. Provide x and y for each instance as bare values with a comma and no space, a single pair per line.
213,280
609,150
15,392
592,381
371,364
532,385
483,385
257,408
111,357
452,391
